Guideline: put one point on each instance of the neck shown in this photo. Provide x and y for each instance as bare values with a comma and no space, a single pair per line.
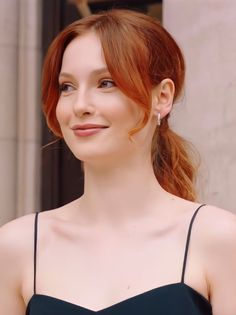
120,194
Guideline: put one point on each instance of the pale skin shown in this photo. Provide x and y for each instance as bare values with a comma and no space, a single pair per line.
122,236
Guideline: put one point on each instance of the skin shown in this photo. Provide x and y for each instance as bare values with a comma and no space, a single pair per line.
125,232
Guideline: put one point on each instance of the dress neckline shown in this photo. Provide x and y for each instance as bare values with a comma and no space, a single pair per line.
125,301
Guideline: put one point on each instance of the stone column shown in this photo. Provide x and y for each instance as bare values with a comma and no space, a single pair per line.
29,115
20,60
9,21
205,29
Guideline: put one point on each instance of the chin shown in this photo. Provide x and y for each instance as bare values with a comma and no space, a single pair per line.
91,155
96,157
98,152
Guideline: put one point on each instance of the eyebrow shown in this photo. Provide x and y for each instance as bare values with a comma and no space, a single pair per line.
94,72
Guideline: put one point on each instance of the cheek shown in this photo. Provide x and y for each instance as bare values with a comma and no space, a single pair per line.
62,113
135,113
126,109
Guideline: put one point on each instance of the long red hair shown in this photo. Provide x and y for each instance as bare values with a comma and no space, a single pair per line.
139,54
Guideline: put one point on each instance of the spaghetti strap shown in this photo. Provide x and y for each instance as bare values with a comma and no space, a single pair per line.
35,247
188,241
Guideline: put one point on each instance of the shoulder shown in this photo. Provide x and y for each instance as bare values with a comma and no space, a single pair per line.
217,226
16,237
16,248
214,237
217,229
17,228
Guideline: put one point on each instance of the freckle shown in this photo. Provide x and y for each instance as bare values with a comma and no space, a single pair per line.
128,287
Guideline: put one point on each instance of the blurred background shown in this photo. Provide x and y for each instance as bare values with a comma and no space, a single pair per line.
34,177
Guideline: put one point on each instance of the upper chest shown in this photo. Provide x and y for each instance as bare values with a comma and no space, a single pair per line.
109,265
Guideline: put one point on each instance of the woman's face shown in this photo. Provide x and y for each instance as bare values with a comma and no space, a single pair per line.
94,115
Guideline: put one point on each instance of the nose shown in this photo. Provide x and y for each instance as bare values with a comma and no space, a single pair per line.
82,105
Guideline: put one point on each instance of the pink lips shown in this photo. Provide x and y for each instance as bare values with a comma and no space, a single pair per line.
87,129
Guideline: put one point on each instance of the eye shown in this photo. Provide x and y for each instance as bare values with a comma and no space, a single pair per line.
65,87
107,84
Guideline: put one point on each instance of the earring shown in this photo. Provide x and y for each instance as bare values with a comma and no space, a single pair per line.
158,119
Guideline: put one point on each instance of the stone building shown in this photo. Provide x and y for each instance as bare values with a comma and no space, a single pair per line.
31,179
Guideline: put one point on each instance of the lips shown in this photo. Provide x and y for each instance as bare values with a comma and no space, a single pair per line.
87,129
88,126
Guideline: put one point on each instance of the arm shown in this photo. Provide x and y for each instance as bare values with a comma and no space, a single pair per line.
221,266
11,266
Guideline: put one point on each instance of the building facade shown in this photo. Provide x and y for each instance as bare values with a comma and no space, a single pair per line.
34,178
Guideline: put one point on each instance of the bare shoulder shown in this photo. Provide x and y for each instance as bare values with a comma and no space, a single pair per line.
217,229
16,247
217,226
16,228
16,236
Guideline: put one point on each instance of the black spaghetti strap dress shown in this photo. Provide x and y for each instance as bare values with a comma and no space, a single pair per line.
172,299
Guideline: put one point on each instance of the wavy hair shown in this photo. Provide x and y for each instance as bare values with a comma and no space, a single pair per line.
139,54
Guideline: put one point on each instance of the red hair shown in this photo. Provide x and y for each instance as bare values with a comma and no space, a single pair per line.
139,54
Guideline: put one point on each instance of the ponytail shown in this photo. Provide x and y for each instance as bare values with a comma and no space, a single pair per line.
172,165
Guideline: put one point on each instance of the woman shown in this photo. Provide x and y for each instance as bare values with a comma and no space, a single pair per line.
136,242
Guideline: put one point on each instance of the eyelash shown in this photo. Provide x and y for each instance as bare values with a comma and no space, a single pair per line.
109,81
63,87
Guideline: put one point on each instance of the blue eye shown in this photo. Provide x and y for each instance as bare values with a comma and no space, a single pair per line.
107,84
65,87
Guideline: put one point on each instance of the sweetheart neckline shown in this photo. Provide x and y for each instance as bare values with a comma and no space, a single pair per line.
151,291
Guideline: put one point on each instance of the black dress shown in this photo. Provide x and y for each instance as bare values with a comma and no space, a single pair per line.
172,299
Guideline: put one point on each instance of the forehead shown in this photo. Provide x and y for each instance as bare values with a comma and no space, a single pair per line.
83,53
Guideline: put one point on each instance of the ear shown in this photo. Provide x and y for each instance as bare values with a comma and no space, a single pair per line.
162,97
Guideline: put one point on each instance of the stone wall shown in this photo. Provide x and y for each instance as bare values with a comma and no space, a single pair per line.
20,60
207,113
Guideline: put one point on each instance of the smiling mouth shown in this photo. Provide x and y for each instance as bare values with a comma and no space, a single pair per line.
89,131
87,126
